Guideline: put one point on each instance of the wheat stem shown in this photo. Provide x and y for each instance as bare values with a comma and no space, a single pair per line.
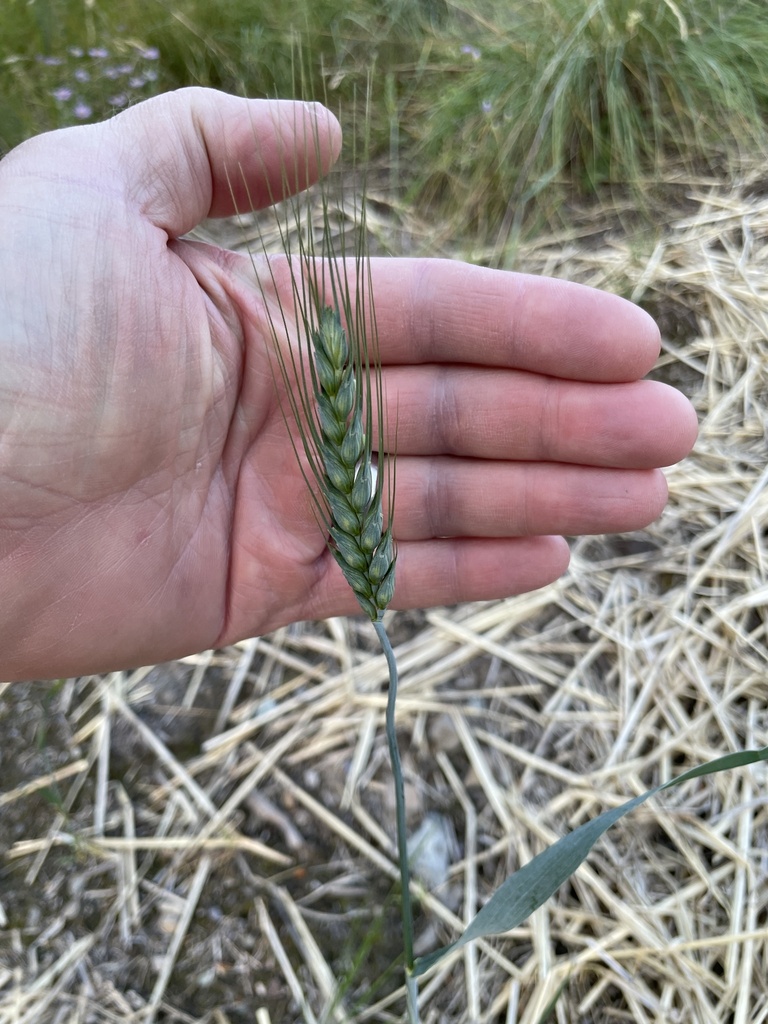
397,772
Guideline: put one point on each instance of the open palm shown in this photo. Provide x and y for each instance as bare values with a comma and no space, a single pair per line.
150,500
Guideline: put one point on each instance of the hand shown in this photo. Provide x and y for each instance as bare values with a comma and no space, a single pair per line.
150,501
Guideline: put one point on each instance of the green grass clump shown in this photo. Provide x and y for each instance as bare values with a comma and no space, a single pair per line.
556,97
243,46
499,114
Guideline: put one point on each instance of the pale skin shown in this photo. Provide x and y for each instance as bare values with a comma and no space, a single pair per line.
151,505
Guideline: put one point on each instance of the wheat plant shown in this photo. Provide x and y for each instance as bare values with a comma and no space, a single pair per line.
334,409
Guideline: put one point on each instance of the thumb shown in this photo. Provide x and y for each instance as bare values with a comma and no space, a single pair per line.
198,153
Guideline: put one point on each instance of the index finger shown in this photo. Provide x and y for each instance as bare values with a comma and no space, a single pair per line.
441,311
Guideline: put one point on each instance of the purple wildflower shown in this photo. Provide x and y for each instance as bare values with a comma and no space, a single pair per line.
473,51
62,94
82,110
150,53
98,52
81,75
487,106
119,101
136,81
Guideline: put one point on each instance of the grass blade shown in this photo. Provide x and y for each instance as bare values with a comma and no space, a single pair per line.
527,889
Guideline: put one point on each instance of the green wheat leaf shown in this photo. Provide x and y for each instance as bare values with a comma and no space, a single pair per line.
527,889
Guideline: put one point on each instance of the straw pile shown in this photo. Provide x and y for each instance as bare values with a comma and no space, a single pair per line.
211,842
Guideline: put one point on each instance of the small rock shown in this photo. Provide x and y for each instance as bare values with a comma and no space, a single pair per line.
442,734
429,850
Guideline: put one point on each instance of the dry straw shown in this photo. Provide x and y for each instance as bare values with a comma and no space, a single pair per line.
524,718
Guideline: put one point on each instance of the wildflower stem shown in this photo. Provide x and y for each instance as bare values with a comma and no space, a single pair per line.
406,908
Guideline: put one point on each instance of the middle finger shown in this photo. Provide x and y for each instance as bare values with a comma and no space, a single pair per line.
510,414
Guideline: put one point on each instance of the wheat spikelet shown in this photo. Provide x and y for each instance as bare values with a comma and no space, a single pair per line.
363,549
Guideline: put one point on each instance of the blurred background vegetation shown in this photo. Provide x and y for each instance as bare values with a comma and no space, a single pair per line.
496,114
